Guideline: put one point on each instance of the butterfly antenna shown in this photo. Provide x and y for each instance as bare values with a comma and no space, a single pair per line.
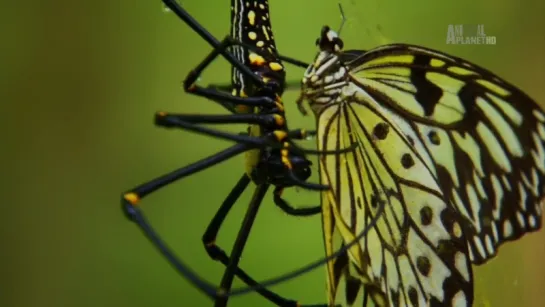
343,17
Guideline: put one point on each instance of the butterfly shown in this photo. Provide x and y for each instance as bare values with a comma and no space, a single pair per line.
455,153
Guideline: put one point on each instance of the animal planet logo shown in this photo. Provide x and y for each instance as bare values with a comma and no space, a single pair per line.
455,35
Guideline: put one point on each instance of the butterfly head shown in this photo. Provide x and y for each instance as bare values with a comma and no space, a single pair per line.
329,41
325,77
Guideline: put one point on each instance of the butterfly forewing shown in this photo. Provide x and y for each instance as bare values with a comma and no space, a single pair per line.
480,136
416,253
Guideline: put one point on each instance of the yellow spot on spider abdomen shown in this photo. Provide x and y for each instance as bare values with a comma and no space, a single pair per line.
266,33
275,66
256,59
251,17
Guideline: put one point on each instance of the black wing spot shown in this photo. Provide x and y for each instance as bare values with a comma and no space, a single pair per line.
374,201
426,215
413,296
407,161
381,131
424,266
434,138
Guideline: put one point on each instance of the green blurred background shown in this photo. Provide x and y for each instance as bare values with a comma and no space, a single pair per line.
81,81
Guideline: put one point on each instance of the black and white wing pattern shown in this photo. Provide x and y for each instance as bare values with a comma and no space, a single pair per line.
482,137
